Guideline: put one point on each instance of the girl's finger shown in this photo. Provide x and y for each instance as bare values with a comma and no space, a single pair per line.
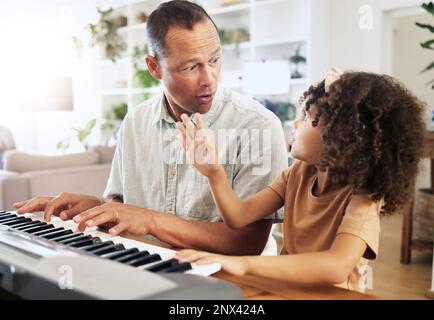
194,256
207,260
189,126
199,121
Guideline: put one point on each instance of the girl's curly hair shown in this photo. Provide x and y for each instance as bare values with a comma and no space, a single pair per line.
373,136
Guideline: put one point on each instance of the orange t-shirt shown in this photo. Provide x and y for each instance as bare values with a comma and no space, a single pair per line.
311,223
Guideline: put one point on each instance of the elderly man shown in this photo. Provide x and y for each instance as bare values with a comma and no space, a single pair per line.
152,189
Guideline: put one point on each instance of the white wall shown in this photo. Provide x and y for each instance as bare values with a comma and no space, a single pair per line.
372,49
356,48
35,37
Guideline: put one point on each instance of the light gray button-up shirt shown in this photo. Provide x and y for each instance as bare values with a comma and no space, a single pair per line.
150,168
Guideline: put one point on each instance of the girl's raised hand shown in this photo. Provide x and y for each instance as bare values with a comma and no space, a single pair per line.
200,150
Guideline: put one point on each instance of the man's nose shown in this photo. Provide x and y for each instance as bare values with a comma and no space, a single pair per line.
207,76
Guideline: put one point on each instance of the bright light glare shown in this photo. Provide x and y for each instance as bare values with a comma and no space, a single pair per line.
35,47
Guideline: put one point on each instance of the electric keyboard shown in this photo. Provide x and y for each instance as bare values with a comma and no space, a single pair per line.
50,260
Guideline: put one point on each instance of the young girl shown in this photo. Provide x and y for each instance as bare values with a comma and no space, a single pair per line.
357,146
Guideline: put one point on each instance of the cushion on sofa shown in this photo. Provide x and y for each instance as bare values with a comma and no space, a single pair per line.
20,162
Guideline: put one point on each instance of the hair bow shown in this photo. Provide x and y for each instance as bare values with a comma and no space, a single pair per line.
333,74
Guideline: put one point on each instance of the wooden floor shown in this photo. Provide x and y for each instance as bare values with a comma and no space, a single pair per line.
393,280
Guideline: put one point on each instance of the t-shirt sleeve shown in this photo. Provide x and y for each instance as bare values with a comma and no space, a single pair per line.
114,187
279,184
362,219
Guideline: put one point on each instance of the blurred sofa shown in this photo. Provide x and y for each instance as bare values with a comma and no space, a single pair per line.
25,176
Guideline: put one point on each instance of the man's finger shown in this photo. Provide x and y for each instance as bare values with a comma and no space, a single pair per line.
54,207
70,213
35,205
119,228
88,214
102,218
18,205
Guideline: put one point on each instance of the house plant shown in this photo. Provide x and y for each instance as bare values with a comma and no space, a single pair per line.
429,44
104,33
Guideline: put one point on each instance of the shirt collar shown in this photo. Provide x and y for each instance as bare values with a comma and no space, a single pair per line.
162,113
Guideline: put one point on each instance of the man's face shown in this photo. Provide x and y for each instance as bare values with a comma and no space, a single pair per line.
191,68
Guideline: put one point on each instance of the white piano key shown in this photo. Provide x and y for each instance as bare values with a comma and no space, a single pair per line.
165,254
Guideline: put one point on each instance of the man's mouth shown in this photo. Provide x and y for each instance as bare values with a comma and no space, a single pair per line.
205,98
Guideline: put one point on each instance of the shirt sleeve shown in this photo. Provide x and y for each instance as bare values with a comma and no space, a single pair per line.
265,165
362,219
280,183
114,187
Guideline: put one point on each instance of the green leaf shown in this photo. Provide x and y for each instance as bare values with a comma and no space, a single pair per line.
431,66
429,7
425,26
144,79
89,126
64,144
428,44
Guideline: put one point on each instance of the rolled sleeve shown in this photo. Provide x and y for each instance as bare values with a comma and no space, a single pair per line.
114,187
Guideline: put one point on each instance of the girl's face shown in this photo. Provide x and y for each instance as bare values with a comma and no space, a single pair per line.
306,142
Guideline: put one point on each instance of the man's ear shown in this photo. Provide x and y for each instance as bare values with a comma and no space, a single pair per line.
153,66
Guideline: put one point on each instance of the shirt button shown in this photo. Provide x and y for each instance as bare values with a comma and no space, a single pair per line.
173,173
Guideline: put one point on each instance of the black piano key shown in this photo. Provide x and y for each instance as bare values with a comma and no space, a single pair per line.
37,224
8,215
5,214
132,256
83,243
163,265
67,237
40,228
82,237
27,223
52,235
109,249
96,246
179,267
9,219
144,260
121,254
42,232
19,220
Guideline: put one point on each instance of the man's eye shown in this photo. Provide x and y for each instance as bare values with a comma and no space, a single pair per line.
191,68
215,60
